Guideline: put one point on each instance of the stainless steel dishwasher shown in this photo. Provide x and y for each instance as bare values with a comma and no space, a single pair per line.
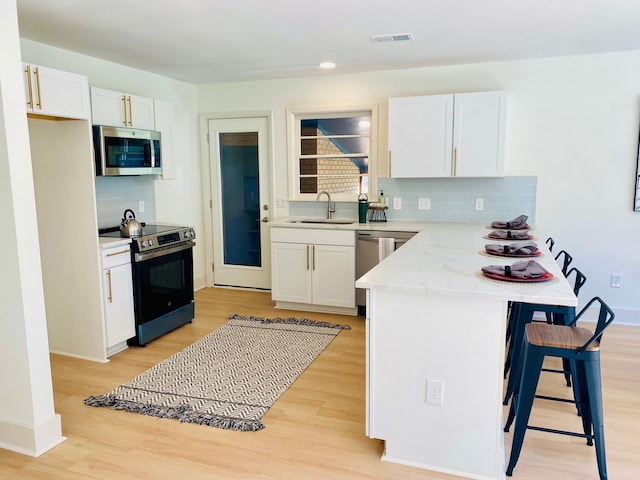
367,255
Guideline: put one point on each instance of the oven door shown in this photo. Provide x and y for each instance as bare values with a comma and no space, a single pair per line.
162,281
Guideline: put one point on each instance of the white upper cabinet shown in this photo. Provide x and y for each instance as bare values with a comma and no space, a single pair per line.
456,135
119,109
56,93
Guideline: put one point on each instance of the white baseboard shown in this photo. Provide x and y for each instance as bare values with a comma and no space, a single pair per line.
31,440
624,316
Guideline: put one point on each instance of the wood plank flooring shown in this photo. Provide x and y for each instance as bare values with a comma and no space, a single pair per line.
314,431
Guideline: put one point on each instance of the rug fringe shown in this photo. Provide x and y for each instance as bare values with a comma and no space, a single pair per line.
289,321
183,413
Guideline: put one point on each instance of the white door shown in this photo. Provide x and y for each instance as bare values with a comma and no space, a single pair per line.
239,156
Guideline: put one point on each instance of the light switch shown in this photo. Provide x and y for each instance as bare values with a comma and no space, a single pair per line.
397,203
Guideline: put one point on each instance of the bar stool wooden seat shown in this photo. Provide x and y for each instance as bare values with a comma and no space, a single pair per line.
580,346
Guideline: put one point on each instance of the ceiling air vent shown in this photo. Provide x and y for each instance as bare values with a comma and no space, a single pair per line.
391,37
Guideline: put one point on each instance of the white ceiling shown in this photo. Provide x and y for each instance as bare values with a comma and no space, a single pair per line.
207,41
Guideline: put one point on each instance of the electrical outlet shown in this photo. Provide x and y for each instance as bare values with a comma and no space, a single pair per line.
397,203
435,392
616,280
141,206
424,204
479,204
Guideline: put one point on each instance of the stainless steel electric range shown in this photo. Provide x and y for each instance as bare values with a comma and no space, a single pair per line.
162,270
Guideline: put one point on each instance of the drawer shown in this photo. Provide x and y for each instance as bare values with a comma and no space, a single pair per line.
112,257
316,236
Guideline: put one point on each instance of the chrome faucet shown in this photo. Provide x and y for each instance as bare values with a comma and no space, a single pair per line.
330,209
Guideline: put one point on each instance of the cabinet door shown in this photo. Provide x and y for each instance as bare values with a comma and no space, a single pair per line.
140,112
108,107
118,304
56,93
291,272
119,109
163,116
478,134
334,271
420,136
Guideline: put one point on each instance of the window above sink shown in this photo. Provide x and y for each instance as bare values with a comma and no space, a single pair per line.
331,150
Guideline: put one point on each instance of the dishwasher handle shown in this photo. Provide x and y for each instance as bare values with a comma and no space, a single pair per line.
400,241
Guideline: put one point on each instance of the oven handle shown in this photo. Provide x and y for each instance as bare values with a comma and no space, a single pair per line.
141,257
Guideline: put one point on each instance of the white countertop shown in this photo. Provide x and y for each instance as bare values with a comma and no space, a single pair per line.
391,225
446,258
109,242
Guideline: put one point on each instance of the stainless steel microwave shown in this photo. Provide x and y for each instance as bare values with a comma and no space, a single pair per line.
126,151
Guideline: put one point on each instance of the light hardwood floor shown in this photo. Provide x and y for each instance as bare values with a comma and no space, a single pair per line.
314,431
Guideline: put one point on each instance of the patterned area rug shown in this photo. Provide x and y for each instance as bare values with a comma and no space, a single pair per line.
228,379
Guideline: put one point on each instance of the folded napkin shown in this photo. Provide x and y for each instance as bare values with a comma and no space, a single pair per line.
507,234
521,269
518,222
528,248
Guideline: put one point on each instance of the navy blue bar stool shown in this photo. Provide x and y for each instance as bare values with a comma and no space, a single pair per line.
579,346
550,243
522,313
564,259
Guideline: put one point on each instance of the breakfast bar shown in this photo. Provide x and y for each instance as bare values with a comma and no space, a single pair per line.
432,316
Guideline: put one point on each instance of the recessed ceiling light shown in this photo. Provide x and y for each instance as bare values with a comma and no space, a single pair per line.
327,65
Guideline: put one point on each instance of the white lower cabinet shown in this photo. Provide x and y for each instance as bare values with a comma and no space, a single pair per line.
117,287
313,269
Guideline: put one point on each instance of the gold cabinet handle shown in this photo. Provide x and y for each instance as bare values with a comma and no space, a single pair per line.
38,88
389,168
29,87
455,162
124,109
307,257
314,257
118,253
110,297
130,112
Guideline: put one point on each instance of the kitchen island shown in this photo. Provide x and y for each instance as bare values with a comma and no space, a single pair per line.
431,315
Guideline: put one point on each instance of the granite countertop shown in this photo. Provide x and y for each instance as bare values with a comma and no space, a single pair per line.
446,258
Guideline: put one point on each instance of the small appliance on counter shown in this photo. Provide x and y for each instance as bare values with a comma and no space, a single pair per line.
162,273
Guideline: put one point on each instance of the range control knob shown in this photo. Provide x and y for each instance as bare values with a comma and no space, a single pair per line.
145,244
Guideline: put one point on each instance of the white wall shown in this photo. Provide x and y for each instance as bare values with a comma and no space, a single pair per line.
572,121
178,200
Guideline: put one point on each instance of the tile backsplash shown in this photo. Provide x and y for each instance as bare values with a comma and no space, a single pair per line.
115,194
452,199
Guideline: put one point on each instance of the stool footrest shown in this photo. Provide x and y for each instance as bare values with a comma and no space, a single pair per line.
561,432
554,370
555,399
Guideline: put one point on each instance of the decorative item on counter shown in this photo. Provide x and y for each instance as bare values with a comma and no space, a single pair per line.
529,249
518,223
363,206
521,271
130,227
376,212
381,198
509,235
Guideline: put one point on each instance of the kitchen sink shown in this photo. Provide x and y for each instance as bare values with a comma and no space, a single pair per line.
332,221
